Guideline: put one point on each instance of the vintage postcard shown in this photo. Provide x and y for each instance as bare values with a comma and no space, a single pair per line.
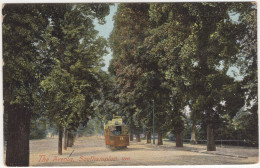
129,83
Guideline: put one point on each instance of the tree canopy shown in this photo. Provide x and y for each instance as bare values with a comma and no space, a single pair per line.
194,64
182,56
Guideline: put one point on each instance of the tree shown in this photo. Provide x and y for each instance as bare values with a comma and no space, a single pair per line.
196,47
60,99
108,104
183,58
32,35
212,47
125,38
74,82
248,64
38,128
170,26
22,29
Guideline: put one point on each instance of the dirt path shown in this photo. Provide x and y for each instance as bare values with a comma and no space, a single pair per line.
91,151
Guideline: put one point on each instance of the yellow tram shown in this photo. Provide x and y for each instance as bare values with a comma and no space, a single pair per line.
116,133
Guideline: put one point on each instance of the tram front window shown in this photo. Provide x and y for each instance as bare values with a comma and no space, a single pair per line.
118,130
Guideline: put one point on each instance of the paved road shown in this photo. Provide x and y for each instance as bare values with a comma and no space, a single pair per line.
91,151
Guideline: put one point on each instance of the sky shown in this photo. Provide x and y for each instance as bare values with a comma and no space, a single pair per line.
105,30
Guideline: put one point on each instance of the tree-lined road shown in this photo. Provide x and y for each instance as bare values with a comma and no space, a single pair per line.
170,73
91,151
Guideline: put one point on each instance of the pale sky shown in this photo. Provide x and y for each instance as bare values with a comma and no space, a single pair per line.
105,30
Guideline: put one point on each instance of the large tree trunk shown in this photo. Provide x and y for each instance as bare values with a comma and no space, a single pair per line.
210,139
193,133
137,134
131,133
65,139
179,141
149,136
60,141
160,141
18,134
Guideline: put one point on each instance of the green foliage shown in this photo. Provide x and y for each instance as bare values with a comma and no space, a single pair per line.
21,64
52,61
128,34
180,55
64,98
77,53
94,127
175,54
38,128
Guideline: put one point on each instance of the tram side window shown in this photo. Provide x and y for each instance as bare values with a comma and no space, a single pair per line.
118,130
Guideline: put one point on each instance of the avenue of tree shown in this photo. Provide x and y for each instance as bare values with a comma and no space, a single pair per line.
178,56
52,68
